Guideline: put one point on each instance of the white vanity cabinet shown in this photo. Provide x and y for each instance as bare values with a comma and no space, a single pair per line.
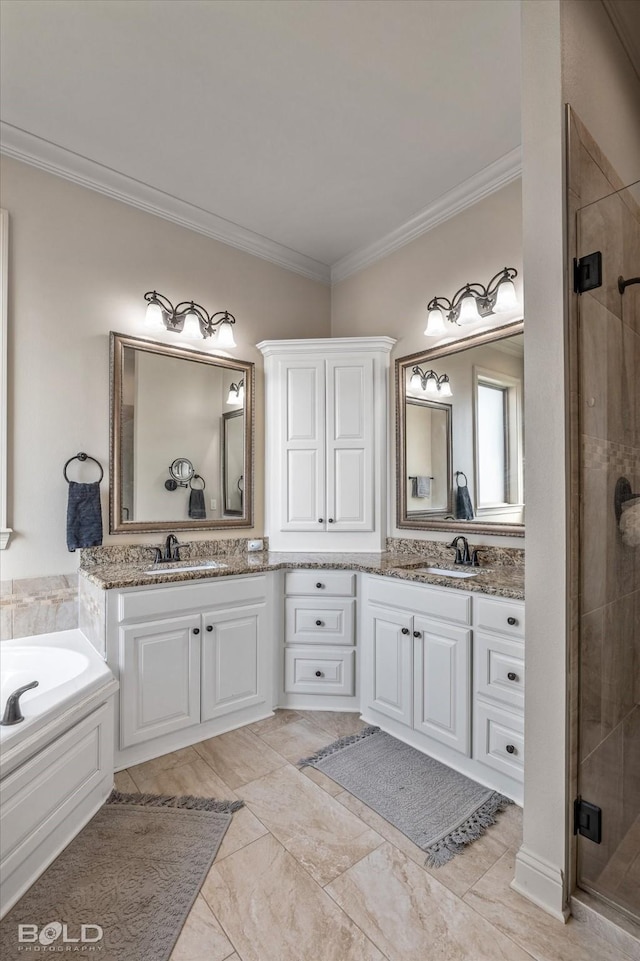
193,659
416,659
326,416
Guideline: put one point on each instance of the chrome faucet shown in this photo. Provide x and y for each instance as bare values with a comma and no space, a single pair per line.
12,713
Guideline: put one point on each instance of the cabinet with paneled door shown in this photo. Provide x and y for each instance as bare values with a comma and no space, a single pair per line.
326,449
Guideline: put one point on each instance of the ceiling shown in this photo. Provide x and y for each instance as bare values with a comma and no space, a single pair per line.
316,133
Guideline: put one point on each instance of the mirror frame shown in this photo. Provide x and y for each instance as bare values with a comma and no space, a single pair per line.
401,365
118,343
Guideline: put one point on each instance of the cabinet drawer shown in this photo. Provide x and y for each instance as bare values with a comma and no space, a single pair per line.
451,605
340,583
159,600
499,669
313,672
492,614
499,740
321,620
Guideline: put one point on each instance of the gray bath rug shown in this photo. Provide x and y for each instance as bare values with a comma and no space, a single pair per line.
132,873
439,809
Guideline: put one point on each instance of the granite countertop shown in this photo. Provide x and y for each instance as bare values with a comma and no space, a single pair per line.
500,580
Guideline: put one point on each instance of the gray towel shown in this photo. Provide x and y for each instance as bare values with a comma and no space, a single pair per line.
464,507
84,516
197,509
421,486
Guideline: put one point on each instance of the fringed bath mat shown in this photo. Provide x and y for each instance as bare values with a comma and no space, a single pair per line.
125,885
439,809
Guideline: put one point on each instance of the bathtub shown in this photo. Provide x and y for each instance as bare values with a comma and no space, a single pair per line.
56,766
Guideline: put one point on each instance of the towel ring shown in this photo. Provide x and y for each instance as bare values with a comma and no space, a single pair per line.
82,456
466,482
197,488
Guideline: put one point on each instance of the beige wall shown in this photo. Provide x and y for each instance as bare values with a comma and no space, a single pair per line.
79,266
391,296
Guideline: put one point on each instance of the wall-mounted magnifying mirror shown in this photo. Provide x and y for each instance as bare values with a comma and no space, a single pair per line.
460,435
168,401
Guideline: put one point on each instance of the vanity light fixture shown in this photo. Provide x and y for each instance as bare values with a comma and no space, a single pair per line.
473,302
433,385
236,393
189,318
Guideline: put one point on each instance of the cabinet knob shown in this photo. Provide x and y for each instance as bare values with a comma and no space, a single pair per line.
512,676
196,630
512,621
319,585
321,520
405,630
319,674
318,623
511,749
331,521
209,627
417,634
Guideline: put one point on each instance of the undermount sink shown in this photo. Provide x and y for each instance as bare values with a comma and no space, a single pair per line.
177,567
444,572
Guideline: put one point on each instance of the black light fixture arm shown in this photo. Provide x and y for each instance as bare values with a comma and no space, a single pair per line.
175,315
485,296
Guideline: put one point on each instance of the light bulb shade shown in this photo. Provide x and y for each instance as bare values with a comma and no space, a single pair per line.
241,394
435,323
233,396
416,382
224,337
468,310
192,327
445,389
431,387
506,298
154,317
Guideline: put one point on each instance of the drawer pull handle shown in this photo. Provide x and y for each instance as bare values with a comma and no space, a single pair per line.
512,676
511,749
405,630
196,630
331,521
321,520
417,634
318,623
319,674
209,627
512,621
319,585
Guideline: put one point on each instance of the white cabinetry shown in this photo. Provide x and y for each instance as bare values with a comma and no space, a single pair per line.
326,417
320,654
193,660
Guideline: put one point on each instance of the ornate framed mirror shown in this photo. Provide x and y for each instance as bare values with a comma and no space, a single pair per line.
169,408
460,435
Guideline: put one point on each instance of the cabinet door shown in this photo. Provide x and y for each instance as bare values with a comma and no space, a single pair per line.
159,680
350,482
302,428
388,671
233,660
442,682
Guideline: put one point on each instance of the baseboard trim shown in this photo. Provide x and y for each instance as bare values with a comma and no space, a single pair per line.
541,882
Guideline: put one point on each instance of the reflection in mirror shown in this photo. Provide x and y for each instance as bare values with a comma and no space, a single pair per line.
168,438
479,484
233,461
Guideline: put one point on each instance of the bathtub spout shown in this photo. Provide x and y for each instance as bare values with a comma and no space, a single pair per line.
12,713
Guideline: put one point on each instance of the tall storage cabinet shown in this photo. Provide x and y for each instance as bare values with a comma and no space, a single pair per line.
326,413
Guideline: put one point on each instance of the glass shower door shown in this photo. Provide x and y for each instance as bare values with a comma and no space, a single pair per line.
609,654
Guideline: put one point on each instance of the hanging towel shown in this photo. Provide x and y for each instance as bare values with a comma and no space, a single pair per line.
421,486
197,509
84,516
464,507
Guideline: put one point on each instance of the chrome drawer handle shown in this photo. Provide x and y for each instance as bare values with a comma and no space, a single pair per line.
512,621
318,623
512,676
319,674
511,749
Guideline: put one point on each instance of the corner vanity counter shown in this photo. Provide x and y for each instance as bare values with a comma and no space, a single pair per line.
215,642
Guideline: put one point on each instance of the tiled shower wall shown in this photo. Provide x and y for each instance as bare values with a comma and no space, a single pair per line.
606,655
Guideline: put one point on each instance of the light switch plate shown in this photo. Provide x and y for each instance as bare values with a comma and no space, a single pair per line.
255,545
213,503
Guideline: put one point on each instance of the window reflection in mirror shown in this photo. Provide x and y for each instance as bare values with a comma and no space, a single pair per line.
168,438
485,447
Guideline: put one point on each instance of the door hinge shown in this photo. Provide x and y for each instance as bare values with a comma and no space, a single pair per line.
587,272
587,820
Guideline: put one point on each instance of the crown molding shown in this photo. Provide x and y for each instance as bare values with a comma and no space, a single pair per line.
487,181
24,146
326,345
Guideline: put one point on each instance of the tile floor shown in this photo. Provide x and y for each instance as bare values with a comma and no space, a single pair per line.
306,872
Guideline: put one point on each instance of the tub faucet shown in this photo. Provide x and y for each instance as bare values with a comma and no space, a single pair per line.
462,553
12,713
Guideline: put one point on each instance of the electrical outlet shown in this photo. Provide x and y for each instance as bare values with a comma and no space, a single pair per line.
213,503
255,545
